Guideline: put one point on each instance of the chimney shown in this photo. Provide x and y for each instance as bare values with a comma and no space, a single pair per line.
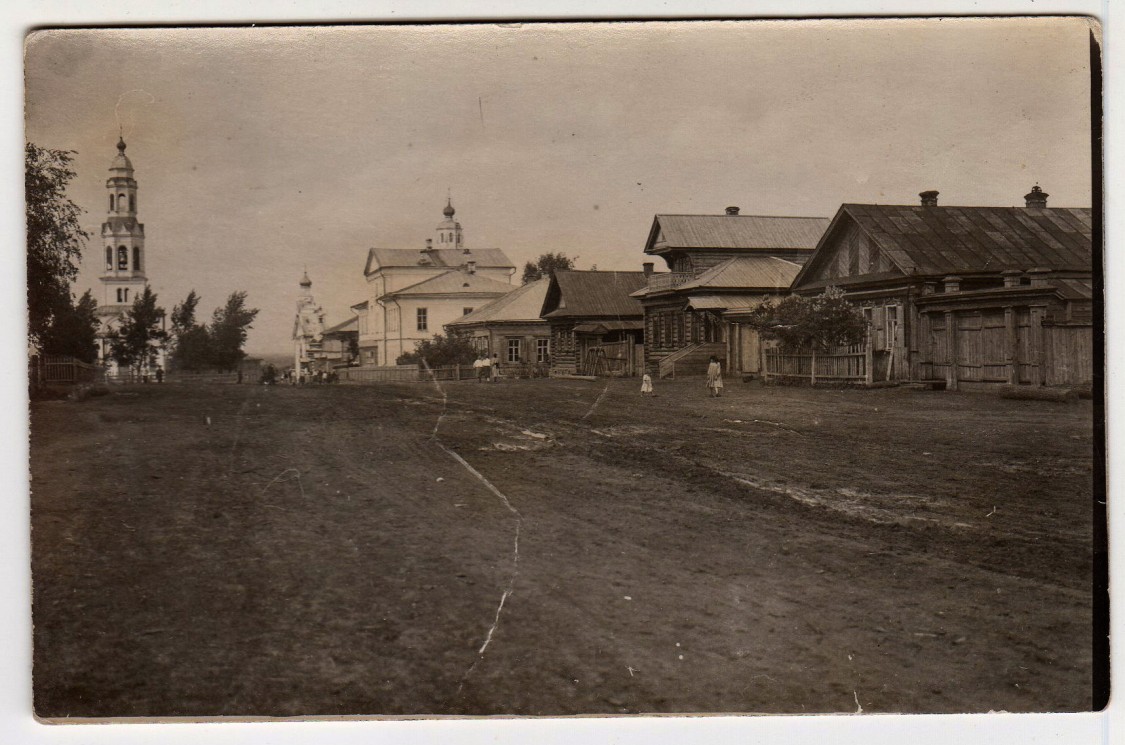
929,198
471,266
648,265
429,244
732,210
952,283
1011,277
1038,276
1036,198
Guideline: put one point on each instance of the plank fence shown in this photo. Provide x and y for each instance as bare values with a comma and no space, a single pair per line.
50,369
851,364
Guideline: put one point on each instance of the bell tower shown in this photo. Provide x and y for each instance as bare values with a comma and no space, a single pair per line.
123,237
449,230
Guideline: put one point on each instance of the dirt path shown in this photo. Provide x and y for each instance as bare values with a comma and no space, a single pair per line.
327,550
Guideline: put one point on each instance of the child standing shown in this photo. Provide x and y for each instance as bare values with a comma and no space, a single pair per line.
715,377
646,385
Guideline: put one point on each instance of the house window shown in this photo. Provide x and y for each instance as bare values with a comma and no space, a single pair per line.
542,350
423,324
466,311
513,350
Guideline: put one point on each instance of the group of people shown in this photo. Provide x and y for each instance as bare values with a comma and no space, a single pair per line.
714,380
292,377
488,368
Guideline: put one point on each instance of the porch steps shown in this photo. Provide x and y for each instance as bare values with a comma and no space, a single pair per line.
691,360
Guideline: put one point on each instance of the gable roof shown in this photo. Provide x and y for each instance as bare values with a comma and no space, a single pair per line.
735,232
520,305
454,282
747,272
950,240
486,258
593,294
350,325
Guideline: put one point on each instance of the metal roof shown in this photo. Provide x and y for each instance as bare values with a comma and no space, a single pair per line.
737,231
455,282
382,258
520,305
748,272
594,294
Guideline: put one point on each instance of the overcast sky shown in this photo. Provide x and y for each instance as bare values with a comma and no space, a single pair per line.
261,151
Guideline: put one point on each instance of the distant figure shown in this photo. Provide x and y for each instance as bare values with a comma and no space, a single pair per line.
495,367
646,385
715,377
159,374
479,365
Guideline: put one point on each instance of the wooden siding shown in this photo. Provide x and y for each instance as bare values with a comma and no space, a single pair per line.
1068,355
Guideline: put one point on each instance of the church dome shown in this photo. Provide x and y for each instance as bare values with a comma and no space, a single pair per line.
305,281
121,162
449,211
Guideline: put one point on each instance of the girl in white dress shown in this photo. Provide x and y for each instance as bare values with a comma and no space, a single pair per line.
646,385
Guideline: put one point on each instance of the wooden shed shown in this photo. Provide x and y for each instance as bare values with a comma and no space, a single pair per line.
597,327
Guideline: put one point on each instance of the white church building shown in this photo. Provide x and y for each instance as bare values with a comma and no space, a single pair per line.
123,277
414,293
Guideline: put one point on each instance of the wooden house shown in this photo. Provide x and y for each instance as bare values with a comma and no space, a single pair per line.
966,295
718,264
510,328
597,327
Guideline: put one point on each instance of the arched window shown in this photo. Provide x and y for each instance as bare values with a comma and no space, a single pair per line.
122,257
136,258
132,203
120,202
126,294
119,295
111,203
109,255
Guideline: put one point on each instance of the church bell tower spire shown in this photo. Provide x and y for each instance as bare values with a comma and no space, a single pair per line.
123,236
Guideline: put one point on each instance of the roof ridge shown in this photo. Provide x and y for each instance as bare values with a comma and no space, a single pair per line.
779,217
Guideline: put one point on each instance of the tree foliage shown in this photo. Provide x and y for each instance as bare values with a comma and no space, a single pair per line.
823,321
546,266
137,341
229,325
54,236
450,349
73,330
191,341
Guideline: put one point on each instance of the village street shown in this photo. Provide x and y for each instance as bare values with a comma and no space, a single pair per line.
222,549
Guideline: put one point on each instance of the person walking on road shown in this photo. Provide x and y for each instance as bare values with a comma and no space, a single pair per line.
715,377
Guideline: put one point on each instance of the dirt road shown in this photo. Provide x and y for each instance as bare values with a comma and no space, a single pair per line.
351,550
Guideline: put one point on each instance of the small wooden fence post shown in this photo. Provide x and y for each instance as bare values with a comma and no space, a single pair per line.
812,367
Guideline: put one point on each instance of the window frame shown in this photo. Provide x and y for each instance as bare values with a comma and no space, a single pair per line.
422,319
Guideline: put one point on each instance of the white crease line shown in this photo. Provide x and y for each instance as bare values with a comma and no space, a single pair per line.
278,478
492,488
597,401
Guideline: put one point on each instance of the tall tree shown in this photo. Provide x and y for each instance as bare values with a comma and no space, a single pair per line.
137,341
191,341
546,266
54,236
73,330
229,325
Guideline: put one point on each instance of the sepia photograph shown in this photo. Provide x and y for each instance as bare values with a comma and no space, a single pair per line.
566,369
